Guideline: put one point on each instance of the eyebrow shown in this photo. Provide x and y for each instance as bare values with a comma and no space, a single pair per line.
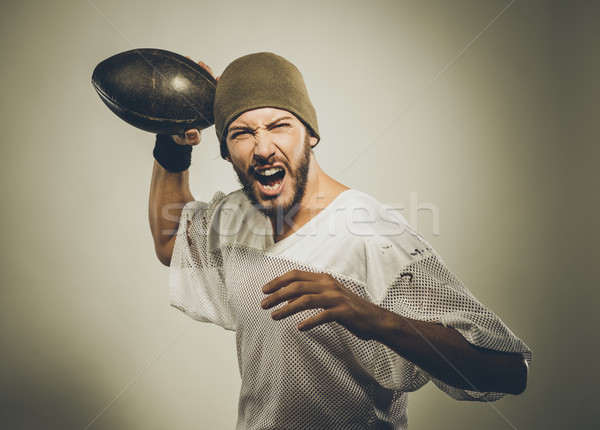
238,127
269,125
283,118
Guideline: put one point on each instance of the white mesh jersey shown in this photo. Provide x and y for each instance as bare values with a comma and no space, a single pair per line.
325,378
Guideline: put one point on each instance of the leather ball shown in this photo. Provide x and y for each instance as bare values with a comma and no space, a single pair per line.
156,90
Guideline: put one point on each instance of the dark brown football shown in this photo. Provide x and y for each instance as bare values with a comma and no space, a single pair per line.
156,90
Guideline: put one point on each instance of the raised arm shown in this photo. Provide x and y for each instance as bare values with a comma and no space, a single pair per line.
169,192
170,189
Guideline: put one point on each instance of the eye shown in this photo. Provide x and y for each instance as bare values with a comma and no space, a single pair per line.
281,126
240,134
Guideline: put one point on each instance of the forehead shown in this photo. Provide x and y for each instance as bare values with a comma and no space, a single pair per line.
261,116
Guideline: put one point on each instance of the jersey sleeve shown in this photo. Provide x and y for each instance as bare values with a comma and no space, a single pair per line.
196,284
426,290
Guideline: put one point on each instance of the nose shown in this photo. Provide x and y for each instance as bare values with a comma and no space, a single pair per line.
264,147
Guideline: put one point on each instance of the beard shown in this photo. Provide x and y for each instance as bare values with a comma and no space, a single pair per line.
298,175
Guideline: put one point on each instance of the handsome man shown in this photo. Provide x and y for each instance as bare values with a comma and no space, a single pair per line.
339,307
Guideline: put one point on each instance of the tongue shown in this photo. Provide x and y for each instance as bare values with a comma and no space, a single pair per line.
272,180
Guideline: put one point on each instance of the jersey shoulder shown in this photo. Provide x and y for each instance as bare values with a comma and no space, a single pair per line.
230,220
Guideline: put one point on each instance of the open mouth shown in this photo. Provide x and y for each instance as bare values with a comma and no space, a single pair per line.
270,179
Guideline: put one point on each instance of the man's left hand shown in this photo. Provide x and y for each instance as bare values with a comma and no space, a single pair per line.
307,290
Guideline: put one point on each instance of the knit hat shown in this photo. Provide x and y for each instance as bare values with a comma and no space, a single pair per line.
257,81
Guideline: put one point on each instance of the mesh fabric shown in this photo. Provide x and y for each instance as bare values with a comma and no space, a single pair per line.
326,377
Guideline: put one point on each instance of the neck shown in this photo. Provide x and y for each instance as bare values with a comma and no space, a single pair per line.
320,191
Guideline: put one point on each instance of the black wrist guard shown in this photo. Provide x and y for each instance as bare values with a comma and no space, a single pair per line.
173,157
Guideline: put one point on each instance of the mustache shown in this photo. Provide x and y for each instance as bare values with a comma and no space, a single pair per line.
261,161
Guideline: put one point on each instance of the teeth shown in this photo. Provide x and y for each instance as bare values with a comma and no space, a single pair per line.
270,171
269,187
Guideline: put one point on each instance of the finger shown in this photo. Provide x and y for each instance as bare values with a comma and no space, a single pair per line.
206,67
290,292
323,317
286,279
277,283
306,302
192,136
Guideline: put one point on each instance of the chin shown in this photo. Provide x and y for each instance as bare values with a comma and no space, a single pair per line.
275,207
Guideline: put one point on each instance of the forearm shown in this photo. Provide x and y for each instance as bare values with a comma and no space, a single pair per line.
446,355
169,192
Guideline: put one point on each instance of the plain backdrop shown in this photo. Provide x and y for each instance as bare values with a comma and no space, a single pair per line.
480,118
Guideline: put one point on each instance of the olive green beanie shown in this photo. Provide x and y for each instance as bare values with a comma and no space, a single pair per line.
257,81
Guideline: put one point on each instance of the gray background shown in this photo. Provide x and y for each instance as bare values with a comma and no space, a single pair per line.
496,130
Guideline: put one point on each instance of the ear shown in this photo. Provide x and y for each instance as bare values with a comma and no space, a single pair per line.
225,149
313,141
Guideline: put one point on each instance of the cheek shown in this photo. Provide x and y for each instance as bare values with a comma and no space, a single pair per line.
239,154
240,167
292,145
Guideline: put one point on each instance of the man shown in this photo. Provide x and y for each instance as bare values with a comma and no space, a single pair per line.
339,307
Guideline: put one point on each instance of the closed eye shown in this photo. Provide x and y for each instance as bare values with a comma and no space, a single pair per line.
240,134
281,126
